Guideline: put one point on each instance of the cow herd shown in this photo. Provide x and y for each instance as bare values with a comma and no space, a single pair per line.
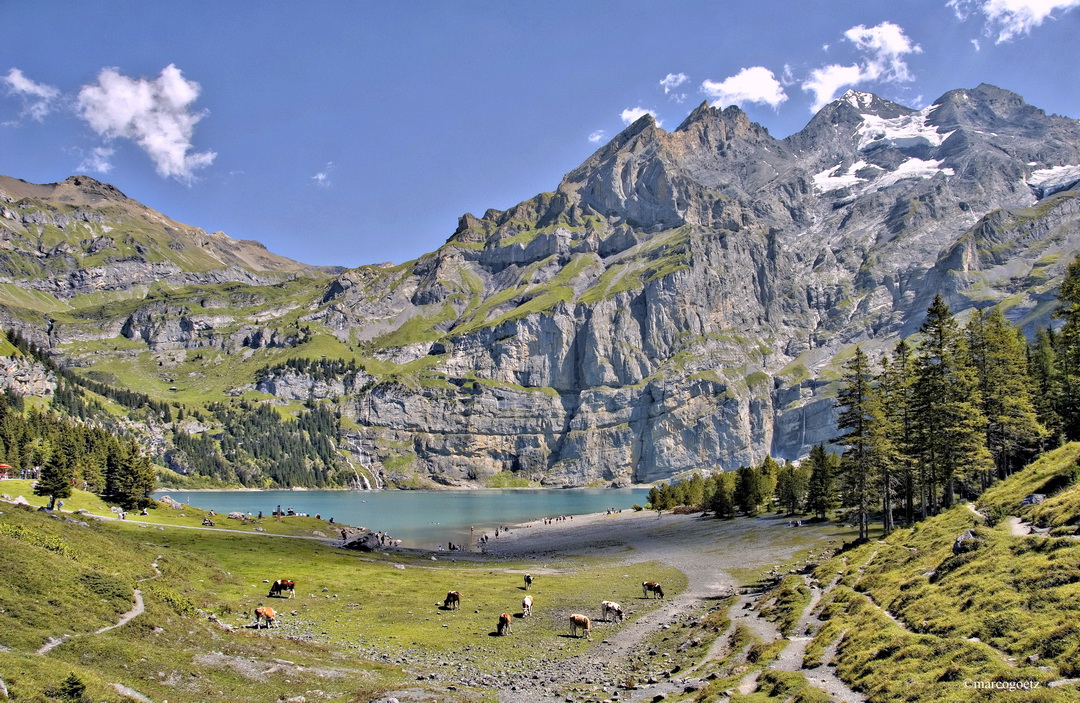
610,611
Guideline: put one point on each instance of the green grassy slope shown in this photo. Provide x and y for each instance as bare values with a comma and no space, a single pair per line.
917,622
358,627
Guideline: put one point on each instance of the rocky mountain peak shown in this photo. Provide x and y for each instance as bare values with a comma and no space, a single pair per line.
988,108
93,188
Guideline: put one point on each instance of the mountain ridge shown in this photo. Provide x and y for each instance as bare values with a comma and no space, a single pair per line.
679,301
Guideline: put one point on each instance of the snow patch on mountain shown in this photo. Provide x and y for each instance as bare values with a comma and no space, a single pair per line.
833,179
901,132
858,99
1047,181
913,168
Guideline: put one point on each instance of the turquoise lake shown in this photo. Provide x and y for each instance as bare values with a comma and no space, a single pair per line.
424,519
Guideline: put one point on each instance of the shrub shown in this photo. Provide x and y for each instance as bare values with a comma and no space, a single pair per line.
70,689
106,586
30,536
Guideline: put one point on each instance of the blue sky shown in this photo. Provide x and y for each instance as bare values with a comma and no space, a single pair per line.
355,132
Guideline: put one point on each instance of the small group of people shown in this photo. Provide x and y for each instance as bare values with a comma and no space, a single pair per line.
613,511
552,520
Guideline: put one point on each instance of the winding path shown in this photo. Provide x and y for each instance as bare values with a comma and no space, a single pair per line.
137,610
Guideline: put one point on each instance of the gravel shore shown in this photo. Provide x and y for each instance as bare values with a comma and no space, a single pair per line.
714,554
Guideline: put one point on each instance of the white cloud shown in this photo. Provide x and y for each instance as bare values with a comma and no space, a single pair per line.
1011,18
672,81
829,80
788,76
154,113
322,178
633,114
97,160
596,136
38,98
750,85
883,48
975,43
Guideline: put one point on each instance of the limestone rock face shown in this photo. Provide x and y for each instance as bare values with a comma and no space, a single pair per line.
669,306
681,300
26,377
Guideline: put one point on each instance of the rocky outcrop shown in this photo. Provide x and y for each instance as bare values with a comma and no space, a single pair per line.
26,377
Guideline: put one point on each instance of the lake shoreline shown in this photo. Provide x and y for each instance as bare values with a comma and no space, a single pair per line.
443,489
421,519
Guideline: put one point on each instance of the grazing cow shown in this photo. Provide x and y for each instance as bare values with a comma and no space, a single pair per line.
280,586
528,581
580,622
526,606
611,611
453,600
504,625
265,613
648,587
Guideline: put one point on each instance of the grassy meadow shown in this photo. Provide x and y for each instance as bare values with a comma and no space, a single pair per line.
360,625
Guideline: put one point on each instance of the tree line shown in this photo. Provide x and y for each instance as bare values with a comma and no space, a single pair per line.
935,419
62,453
257,447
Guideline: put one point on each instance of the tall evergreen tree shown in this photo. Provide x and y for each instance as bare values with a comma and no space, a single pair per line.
998,354
131,476
1069,350
749,490
821,490
950,426
897,383
55,478
722,498
865,436
1046,379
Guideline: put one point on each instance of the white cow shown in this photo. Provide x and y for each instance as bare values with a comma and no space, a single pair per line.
526,606
611,610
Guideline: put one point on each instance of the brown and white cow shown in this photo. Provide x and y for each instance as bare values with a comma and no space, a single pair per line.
280,586
610,610
526,606
453,600
528,581
504,627
580,622
648,587
266,614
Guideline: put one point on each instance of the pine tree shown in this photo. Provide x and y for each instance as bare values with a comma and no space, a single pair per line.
1069,350
1046,379
997,352
896,383
55,478
791,485
865,436
749,491
769,470
821,490
722,500
949,423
